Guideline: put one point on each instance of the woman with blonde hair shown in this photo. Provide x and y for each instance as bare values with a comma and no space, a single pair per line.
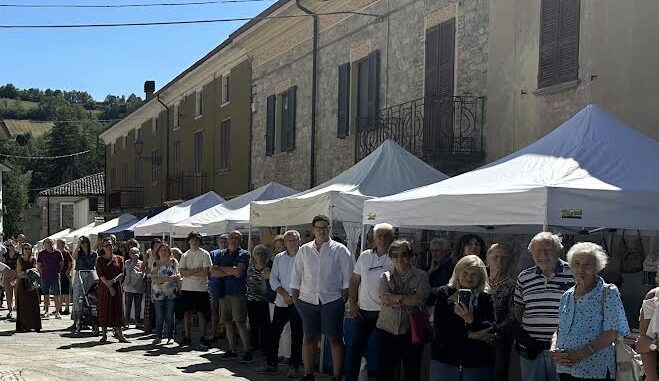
464,316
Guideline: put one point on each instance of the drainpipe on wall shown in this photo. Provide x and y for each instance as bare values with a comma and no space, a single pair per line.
166,153
314,85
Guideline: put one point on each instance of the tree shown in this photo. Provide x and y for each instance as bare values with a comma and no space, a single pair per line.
8,91
15,197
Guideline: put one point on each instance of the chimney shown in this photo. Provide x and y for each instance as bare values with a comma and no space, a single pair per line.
149,89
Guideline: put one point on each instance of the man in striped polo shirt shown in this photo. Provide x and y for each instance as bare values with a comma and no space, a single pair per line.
537,299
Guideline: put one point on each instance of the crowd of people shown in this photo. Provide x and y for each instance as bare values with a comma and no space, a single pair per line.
464,306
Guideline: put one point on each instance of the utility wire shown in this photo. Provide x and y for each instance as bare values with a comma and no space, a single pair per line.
179,22
127,5
45,157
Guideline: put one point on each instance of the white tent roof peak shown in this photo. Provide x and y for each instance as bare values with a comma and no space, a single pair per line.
592,165
230,214
387,170
163,221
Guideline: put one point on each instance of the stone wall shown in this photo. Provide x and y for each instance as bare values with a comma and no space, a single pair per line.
400,37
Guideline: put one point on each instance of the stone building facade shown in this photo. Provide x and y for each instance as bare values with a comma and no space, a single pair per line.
398,36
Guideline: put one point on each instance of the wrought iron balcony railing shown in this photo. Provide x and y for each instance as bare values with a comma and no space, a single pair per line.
126,198
445,132
186,185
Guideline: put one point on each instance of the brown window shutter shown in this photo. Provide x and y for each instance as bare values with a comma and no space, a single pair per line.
446,58
270,125
343,117
288,125
568,41
432,62
549,37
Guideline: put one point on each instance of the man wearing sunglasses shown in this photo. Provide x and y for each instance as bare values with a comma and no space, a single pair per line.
319,285
364,300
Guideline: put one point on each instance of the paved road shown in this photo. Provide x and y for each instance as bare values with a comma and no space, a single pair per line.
54,354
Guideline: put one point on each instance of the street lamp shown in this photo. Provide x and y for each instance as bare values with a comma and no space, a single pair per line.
139,149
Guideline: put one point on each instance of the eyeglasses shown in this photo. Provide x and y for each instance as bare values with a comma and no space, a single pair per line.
321,228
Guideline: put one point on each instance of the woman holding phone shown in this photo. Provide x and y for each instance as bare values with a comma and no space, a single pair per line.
464,314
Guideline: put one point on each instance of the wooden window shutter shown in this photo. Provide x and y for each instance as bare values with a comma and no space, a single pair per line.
270,125
288,120
432,62
568,41
373,87
549,32
446,59
343,119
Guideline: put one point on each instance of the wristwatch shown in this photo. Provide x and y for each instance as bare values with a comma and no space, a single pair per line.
653,347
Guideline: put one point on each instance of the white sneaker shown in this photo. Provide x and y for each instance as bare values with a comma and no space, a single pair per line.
156,341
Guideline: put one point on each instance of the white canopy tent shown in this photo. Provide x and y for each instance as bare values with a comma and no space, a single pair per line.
73,236
229,215
161,223
54,236
387,170
94,232
592,171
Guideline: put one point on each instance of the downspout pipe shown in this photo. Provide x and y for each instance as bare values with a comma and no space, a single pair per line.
314,91
166,153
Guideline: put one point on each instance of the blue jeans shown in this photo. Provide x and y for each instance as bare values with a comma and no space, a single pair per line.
542,368
165,317
363,328
440,371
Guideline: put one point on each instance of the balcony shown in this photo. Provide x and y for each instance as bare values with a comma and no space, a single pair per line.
445,132
186,185
125,198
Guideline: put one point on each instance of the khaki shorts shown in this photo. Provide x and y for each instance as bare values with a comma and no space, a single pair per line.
233,308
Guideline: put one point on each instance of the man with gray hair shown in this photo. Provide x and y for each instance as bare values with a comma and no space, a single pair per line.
438,264
285,311
364,295
536,305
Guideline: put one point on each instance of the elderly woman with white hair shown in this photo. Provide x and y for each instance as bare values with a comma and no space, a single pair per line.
591,317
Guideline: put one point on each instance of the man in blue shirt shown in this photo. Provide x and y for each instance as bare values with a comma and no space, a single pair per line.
232,268
216,289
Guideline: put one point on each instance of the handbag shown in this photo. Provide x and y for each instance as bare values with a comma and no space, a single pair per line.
420,327
629,366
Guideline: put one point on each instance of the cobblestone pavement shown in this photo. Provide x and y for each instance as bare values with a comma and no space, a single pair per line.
55,354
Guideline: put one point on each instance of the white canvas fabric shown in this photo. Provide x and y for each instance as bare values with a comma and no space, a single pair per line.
163,221
229,215
94,232
592,171
387,170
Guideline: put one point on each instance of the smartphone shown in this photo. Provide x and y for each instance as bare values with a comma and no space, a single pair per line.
464,296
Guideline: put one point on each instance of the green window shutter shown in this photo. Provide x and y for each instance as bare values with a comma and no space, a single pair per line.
568,41
270,125
373,87
288,119
343,117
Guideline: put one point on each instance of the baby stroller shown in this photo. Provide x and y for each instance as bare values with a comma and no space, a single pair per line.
88,315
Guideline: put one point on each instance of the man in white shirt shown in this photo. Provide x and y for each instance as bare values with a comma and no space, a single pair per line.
195,265
364,299
285,311
319,285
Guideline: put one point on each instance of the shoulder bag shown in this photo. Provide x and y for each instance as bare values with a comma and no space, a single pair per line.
629,366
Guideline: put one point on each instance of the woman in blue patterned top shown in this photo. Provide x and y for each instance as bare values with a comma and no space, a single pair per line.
591,317
164,291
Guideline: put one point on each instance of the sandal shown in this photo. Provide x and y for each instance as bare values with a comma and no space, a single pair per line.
104,339
123,340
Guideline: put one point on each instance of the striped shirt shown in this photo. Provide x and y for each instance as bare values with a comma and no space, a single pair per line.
540,298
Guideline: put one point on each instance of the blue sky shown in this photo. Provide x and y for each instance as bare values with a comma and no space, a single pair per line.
105,61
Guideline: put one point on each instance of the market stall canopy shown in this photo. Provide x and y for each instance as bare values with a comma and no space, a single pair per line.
229,215
162,222
93,233
54,236
126,226
73,236
387,170
592,171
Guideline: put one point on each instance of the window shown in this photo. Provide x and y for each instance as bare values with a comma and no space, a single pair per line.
559,42
226,89
138,134
343,117
66,212
177,157
114,148
368,86
113,178
138,172
177,116
288,119
198,154
224,135
124,175
270,126
199,103
155,167
154,125
124,144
